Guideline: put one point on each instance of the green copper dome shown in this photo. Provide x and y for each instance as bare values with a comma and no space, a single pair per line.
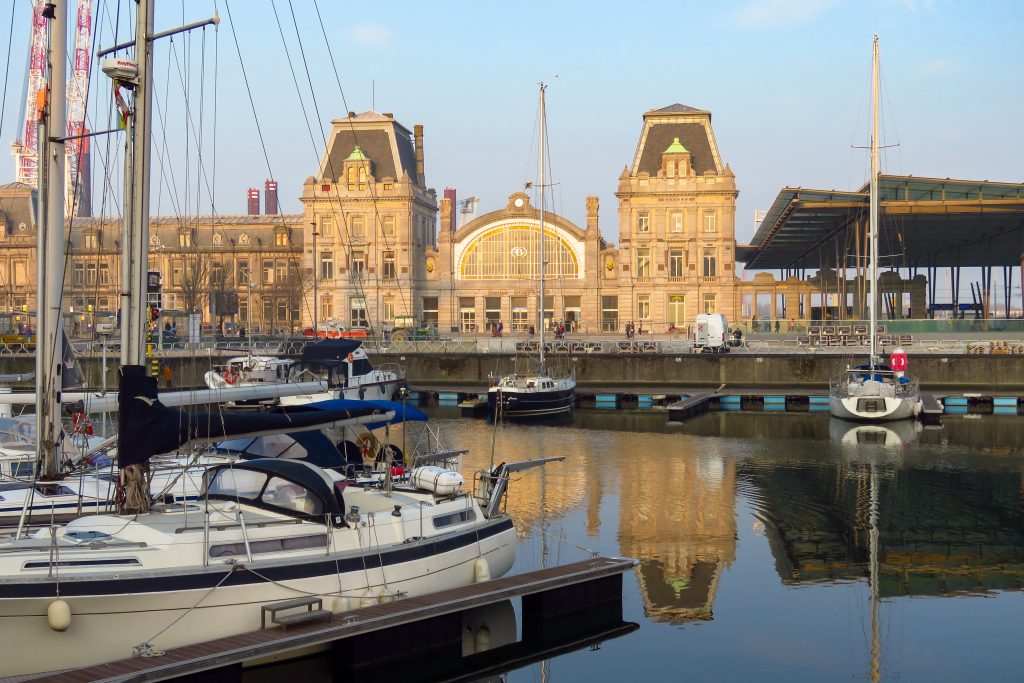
357,154
675,148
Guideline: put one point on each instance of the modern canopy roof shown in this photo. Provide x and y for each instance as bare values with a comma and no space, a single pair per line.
924,222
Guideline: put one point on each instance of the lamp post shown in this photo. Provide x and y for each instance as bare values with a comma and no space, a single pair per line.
316,301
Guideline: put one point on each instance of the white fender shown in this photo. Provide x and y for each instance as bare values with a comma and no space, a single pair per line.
482,639
367,598
341,603
58,615
481,570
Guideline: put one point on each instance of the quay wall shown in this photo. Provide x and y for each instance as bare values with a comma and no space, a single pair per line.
936,372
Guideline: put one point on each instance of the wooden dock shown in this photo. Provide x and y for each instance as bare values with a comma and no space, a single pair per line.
543,592
690,406
931,409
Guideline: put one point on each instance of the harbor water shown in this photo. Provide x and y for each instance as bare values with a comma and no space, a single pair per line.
776,546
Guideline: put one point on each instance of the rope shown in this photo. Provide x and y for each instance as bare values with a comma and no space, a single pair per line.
561,539
146,647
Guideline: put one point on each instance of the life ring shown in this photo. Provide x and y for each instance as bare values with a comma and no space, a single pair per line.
231,376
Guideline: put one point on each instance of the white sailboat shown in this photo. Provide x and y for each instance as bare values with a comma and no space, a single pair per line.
541,393
874,392
105,586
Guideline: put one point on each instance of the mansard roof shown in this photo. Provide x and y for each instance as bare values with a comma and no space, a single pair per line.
387,143
690,125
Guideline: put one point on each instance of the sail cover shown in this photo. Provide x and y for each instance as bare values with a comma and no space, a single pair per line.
71,376
146,427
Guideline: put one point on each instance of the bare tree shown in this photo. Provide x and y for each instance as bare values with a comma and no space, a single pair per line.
195,280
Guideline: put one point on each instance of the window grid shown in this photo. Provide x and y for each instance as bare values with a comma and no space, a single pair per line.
513,252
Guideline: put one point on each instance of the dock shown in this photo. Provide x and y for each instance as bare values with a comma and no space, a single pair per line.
690,406
551,599
931,409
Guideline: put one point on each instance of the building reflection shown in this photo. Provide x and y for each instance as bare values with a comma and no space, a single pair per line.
677,516
943,530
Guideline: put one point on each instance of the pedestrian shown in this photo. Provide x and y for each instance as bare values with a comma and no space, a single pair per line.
640,328
168,376
776,326
74,329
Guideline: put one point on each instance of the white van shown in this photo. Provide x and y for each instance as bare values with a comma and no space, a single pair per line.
711,334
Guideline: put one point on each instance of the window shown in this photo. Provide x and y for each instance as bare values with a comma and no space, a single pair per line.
281,238
281,271
326,308
710,262
351,177
216,274
242,270
362,177
90,273
609,313
91,241
643,264
709,222
78,275
677,310
430,311
268,312
388,225
358,266
513,253
549,312
326,265
492,312
104,273
676,262
326,232
268,272
460,517
520,314
643,306
356,226
643,222
709,303
387,259
388,309
357,312
184,238
467,314
177,273
677,222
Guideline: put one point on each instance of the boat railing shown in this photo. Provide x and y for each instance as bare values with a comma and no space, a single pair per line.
902,386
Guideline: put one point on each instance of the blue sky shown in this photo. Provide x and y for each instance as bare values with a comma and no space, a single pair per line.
787,82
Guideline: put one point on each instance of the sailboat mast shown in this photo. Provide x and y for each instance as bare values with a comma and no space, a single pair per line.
135,242
873,212
50,247
540,181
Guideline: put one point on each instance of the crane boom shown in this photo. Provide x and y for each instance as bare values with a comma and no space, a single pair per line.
26,149
79,191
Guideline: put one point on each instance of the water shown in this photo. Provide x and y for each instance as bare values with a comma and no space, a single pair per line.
753,533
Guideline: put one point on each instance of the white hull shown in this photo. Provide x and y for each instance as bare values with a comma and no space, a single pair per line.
107,627
849,408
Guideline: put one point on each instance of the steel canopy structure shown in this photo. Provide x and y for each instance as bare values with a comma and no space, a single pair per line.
925,223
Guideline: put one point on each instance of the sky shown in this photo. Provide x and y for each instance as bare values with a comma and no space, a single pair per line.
787,82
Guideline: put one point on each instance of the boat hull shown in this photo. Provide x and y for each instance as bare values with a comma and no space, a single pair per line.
882,408
112,616
522,404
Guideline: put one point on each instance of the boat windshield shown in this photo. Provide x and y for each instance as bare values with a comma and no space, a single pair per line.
265,490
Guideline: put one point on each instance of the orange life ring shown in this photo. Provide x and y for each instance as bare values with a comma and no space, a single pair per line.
231,376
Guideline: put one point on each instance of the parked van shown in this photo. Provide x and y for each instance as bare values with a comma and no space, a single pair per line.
711,334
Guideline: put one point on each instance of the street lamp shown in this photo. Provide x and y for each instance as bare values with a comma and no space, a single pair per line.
316,302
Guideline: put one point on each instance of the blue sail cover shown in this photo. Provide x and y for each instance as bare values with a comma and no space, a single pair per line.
147,427
403,412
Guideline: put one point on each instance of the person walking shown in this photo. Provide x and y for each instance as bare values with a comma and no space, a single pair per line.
168,376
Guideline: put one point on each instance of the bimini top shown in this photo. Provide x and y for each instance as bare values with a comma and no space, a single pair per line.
330,350
290,487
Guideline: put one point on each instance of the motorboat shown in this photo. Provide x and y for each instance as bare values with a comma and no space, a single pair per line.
341,364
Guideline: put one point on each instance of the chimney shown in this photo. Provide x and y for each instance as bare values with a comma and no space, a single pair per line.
449,194
418,132
593,230
254,201
271,197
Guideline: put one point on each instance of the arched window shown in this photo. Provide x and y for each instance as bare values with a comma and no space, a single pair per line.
513,252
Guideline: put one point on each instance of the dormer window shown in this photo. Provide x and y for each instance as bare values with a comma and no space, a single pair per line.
357,170
675,161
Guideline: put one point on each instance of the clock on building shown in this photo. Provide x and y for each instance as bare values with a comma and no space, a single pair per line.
518,202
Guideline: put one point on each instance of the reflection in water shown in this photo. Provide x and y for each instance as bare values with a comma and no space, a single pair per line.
941,511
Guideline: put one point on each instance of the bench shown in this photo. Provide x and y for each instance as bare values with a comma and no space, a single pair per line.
314,610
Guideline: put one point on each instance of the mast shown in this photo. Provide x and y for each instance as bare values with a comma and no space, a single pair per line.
52,119
873,213
135,245
540,181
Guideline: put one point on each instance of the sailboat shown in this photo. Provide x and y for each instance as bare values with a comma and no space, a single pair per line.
874,392
264,531
541,393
